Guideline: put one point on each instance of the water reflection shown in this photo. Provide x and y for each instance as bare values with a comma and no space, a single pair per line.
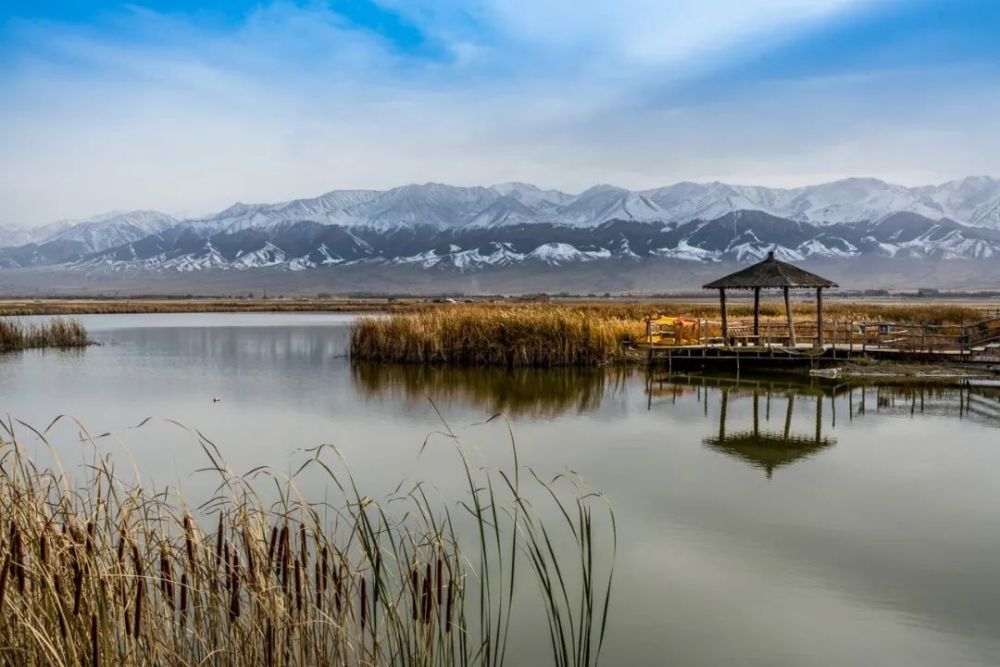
768,448
763,448
880,543
532,393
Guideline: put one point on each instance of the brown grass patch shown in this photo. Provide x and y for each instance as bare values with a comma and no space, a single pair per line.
57,332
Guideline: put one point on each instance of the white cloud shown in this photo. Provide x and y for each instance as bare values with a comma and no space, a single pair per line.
296,101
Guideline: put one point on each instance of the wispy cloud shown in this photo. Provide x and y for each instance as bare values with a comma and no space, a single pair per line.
140,108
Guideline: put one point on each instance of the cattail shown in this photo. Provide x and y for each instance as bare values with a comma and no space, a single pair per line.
268,644
184,598
376,579
440,580
121,545
426,595
298,588
270,546
324,568
228,568
447,613
90,539
43,549
318,584
189,540
95,654
140,586
77,585
128,622
60,613
414,587
286,556
3,577
17,562
166,577
364,603
304,546
234,598
218,542
337,580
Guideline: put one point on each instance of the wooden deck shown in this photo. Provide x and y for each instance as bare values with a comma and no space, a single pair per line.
770,343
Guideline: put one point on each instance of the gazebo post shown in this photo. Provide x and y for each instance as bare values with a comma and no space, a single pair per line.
819,317
788,316
756,312
725,317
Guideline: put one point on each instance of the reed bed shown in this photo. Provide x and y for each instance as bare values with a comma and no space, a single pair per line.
57,332
107,573
489,335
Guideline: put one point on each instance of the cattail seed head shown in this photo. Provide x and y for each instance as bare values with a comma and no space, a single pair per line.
364,603
271,545
189,540
184,597
95,653
77,585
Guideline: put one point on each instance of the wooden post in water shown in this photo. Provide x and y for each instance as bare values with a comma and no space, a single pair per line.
788,415
788,316
819,317
756,312
819,418
756,418
722,414
725,317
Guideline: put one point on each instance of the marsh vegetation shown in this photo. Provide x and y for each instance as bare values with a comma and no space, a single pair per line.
101,571
62,332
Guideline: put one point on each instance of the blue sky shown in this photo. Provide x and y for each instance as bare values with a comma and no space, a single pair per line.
188,106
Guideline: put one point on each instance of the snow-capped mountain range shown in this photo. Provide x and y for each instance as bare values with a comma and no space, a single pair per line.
472,228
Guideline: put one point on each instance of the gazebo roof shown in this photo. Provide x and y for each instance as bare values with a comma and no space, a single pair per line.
768,450
770,274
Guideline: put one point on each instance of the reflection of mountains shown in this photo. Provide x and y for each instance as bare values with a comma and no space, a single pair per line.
515,392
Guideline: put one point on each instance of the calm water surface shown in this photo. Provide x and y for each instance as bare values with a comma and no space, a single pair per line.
760,524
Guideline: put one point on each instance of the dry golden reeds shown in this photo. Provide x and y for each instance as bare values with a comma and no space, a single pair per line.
492,335
58,332
105,572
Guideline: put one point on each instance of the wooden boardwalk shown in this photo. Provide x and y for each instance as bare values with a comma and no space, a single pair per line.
977,342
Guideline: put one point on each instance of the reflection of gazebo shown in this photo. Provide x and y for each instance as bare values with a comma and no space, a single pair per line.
772,274
768,449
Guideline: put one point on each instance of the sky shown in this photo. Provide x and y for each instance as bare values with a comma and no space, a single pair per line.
187,107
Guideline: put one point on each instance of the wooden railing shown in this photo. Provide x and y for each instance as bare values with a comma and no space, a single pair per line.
971,338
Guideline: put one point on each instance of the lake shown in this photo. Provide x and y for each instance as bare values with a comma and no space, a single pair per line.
760,522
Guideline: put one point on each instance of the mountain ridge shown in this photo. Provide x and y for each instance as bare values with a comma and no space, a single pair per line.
436,227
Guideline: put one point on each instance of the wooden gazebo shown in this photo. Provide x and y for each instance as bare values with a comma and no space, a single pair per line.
772,274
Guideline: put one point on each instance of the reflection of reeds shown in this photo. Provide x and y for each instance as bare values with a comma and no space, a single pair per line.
107,573
57,332
519,392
